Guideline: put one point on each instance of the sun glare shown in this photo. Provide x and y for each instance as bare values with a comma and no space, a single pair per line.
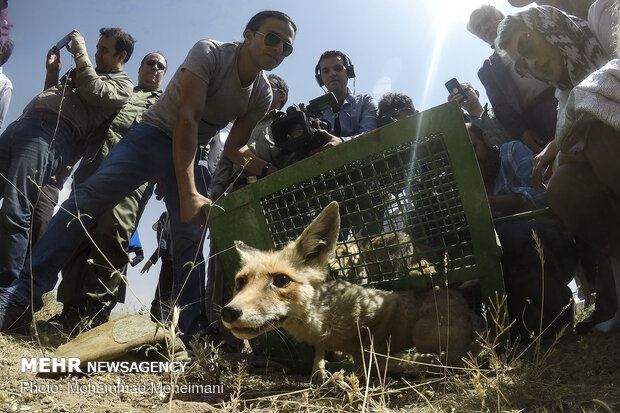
446,15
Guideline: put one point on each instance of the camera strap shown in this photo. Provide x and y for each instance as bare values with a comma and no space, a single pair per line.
337,127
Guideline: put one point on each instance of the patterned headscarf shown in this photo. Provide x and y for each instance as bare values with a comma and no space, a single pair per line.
579,47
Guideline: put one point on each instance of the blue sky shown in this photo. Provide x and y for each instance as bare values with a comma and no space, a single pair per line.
407,46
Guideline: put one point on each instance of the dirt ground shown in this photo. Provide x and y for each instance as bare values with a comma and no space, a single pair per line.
577,374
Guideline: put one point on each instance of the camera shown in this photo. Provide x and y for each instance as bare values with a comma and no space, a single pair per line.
454,85
390,117
295,131
63,42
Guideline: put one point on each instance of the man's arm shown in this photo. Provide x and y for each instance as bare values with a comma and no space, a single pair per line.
509,203
185,143
53,64
368,117
518,161
110,91
236,148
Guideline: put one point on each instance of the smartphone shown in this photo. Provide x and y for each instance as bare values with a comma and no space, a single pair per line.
454,85
63,42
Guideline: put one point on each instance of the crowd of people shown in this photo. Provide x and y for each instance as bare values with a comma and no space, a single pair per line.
553,89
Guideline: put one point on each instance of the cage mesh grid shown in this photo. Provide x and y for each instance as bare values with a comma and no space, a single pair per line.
401,213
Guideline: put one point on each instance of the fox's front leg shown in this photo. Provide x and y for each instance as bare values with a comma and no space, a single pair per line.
319,374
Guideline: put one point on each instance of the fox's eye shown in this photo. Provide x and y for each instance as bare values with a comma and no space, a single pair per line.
281,280
239,283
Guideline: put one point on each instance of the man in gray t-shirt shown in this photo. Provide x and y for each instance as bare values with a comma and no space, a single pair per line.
217,82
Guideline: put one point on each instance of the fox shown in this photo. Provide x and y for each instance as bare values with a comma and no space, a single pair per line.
289,289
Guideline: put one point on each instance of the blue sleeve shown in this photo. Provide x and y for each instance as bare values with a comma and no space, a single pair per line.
368,117
521,160
134,241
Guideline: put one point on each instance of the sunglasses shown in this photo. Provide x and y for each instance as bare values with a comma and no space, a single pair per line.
156,63
272,39
526,46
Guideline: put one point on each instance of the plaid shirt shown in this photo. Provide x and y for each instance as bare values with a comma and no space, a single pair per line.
515,174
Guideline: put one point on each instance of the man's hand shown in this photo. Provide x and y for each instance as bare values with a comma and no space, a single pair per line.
468,103
147,267
77,45
191,209
544,160
533,141
332,141
457,99
53,62
52,67
160,190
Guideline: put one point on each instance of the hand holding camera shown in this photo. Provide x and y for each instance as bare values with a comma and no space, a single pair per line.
74,42
301,130
457,95
64,41
78,44
465,98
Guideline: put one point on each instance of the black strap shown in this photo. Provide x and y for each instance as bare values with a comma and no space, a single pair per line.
337,127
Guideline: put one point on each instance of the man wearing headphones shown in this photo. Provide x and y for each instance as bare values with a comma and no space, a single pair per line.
357,113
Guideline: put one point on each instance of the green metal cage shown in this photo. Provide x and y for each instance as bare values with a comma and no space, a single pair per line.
414,211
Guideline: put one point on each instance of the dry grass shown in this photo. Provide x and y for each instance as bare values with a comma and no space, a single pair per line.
570,374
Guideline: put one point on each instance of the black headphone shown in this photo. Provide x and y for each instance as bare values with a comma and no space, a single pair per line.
348,65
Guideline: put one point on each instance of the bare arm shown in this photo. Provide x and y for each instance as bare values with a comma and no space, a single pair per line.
533,141
52,67
184,144
509,204
236,148
541,161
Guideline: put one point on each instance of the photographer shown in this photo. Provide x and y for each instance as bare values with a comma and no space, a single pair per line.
89,292
357,114
49,135
393,107
481,116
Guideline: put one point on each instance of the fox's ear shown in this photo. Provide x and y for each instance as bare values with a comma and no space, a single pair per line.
245,251
317,243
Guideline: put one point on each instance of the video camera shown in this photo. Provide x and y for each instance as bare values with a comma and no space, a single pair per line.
295,131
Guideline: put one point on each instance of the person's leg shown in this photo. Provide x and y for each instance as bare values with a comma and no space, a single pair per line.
188,288
143,152
30,160
160,306
602,149
102,278
580,200
613,324
585,206
43,211
529,302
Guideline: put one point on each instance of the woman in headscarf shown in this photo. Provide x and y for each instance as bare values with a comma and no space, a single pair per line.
550,45
585,192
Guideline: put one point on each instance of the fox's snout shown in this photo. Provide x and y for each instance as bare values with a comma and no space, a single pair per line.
230,313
